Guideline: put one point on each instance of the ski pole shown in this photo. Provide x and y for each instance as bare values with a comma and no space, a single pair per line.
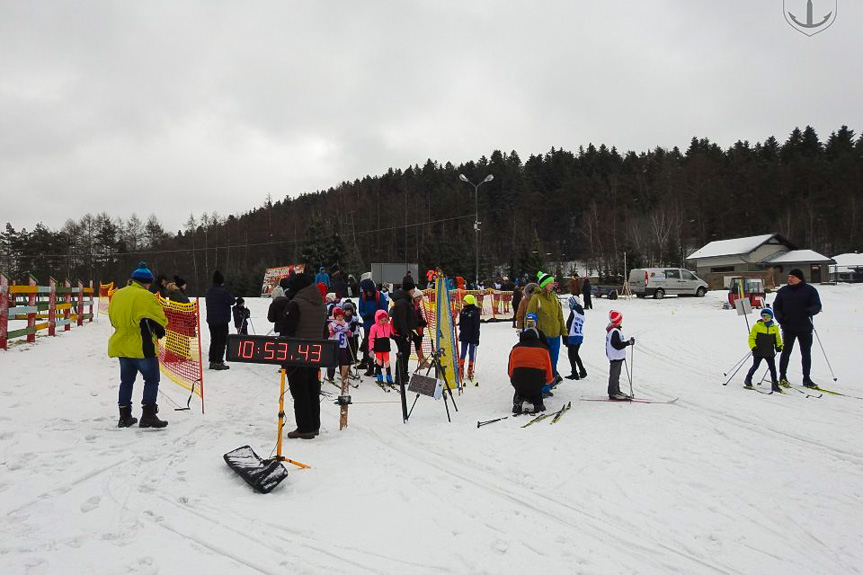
481,423
822,349
632,372
252,325
742,363
741,360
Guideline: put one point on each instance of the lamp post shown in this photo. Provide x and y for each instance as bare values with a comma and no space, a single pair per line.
476,222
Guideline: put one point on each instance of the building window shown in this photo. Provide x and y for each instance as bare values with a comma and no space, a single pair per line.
723,269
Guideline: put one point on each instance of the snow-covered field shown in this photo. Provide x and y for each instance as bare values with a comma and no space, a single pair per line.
723,481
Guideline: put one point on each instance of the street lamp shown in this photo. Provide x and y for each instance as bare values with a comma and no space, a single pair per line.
476,222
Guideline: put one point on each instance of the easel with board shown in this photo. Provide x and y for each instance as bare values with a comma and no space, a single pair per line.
435,387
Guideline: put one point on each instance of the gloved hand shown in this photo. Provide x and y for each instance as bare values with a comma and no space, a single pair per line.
632,341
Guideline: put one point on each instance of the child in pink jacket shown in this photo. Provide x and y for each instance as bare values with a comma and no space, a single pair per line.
379,343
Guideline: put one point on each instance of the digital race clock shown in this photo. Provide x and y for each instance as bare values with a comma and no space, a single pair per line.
283,350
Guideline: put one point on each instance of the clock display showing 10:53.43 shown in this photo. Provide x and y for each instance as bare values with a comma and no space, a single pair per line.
282,350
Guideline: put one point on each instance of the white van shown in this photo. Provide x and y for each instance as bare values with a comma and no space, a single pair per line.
659,282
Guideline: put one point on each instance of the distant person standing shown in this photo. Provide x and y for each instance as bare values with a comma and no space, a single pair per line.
160,286
586,292
138,321
177,290
323,277
794,306
241,316
219,302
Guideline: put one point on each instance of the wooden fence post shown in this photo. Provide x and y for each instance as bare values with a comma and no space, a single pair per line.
67,299
80,305
52,307
4,311
31,317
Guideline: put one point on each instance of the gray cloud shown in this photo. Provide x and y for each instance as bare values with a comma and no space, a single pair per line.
178,107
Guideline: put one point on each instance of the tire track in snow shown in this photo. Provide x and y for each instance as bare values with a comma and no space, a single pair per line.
609,529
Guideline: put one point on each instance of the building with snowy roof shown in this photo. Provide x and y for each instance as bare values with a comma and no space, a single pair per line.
847,268
770,256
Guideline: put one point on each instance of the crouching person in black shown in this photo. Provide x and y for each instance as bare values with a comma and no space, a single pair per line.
529,370
305,317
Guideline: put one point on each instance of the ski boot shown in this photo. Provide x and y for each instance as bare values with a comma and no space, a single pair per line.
747,384
774,385
126,419
470,373
783,381
389,379
538,407
619,397
582,374
574,375
379,377
517,407
150,419
807,382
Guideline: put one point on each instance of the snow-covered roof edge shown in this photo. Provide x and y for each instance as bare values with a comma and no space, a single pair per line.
736,246
797,256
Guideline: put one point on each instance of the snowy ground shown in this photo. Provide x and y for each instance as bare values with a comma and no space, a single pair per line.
724,481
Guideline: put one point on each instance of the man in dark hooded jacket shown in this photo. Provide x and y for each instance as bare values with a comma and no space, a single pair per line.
404,322
371,300
794,306
305,317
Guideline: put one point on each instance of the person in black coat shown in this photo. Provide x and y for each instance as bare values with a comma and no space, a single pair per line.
794,307
468,335
338,285
586,292
517,294
276,311
404,322
219,302
306,318
241,316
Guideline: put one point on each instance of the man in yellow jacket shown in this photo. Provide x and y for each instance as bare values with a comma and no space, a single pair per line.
546,306
138,321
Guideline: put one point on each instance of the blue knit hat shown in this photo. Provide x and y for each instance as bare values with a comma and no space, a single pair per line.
142,273
767,311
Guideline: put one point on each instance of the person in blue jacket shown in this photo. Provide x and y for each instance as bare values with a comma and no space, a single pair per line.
322,277
371,300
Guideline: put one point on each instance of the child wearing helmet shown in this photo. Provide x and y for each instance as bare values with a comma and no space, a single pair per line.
468,334
615,349
764,341
575,324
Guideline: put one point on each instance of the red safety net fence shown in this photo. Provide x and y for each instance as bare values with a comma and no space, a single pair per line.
180,349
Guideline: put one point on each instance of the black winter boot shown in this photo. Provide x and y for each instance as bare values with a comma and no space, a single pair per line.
150,419
126,419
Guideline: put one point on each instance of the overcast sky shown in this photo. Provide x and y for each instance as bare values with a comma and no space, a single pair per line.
181,106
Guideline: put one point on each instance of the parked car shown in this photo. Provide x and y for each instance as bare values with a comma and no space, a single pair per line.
660,282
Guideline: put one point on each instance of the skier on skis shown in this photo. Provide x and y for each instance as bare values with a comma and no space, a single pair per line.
468,335
795,304
379,343
764,341
615,349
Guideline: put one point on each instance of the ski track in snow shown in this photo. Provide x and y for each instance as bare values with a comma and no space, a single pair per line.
724,481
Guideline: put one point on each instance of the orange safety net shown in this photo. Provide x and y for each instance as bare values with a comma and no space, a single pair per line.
180,349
